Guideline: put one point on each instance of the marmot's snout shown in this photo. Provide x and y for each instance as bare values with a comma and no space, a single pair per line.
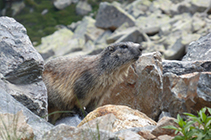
139,49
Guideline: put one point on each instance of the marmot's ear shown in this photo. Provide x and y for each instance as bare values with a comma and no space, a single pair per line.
111,48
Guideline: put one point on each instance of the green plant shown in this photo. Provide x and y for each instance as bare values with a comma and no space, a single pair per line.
195,127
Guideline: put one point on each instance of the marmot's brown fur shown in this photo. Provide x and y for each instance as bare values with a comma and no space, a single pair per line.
83,81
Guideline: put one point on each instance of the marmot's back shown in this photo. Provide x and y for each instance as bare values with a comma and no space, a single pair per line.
83,81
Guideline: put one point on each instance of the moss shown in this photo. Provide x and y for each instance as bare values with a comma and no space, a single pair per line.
2,5
39,25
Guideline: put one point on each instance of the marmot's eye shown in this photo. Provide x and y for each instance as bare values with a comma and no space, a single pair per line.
124,46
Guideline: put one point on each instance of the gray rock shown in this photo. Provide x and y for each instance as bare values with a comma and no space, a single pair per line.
73,25
111,17
83,8
132,34
103,37
57,44
64,132
88,30
21,67
199,50
163,5
152,23
130,135
33,96
204,89
164,114
189,6
176,50
186,93
70,121
9,105
16,7
138,8
185,67
61,4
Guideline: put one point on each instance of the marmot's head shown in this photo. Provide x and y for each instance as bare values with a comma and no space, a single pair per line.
119,54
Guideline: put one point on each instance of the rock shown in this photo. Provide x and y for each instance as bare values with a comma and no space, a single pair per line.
15,126
199,50
57,44
164,5
200,6
132,34
45,11
146,134
83,8
123,117
165,137
73,25
164,114
165,121
105,122
111,17
61,4
152,23
118,33
103,37
186,93
138,8
24,118
198,23
87,30
21,67
64,132
130,135
71,121
33,96
142,88
176,50
16,7
189,6
180,35
177,46
185,67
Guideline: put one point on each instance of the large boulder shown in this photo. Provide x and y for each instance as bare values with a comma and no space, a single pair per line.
21,67
111,17
143,87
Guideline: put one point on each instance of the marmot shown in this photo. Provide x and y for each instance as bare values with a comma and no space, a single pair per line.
83,81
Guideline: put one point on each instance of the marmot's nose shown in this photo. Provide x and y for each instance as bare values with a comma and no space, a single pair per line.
139,47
